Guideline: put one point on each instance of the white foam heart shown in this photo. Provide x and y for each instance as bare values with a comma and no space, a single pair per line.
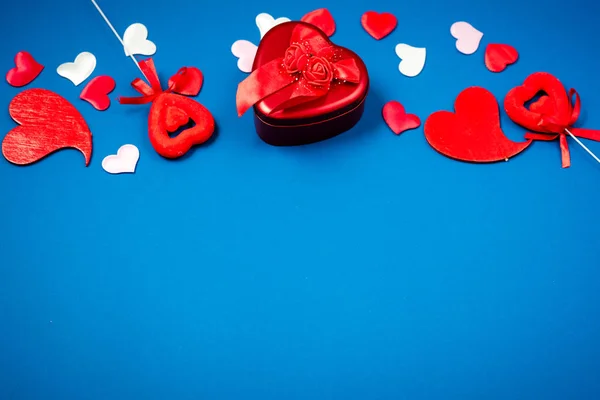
245,51
265,22
413,59
136,41
467,37
124,161
79,70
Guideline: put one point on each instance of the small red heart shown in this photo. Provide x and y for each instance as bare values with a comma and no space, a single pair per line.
25,71
378,25
175,118
542,106
473,133
48,123
97,90
189,81
397,119
500,56
322,19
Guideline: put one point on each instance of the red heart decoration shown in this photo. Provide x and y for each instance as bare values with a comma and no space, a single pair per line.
378,25
25,71
97,90
543,105
189,81
499,56
48,123
169,110
322,19
397,119
473,133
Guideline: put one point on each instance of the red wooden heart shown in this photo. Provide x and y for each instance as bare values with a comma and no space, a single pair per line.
473,133
322,19
378,25
25,71
170,109
499,56
97,90
397,119
189,83
48,123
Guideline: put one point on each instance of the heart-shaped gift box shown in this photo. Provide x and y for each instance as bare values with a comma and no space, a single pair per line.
303,88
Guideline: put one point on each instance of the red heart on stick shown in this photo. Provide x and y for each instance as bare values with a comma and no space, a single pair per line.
473,133
97,90
25,71
397,119
378,25
322,19
500,56
48,123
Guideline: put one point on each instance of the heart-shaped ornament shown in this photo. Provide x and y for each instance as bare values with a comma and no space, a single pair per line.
472,133
467,37
245,51
136,41
397,119
500,56
175,119
189,81
97,90
25,71
413,59
79,70
265,22
47,123
378,25
322,19
123,162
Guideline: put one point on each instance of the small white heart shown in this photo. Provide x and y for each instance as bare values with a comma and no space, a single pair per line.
265,22
124,161
136,41
79,70
245,51
467,37
413,59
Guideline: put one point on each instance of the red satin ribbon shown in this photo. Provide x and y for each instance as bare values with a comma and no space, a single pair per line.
550,130
278,89
154,90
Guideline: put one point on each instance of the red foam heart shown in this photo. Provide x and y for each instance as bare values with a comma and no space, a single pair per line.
189,81
97,90
500,56
322,19
397,119
473,133
543,105
175,118
48,123
25,71
378,25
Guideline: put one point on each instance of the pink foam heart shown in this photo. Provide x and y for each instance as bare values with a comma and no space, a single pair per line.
467,37
245,51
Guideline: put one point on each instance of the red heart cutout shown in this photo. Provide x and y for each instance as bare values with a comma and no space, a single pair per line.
473,133
189,81
167,110
322,19
175,118
97,90
48,123
543,105
499,56
397,119
25,71
378,25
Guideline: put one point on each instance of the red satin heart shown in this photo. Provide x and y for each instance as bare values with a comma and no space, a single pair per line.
378,25
499,56
473,133
166,111
97,90
397,119
322,19
189,83
25,71
48,123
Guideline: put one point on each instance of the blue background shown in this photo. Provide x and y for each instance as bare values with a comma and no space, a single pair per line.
364,267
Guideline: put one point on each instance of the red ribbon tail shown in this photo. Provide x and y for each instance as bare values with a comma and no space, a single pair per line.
540,136
590,134
564,151
149,92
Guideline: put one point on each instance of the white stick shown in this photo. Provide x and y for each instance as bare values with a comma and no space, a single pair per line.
582,145
117,35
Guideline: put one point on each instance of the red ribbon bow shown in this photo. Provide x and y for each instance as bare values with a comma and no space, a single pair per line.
304,73
551,128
